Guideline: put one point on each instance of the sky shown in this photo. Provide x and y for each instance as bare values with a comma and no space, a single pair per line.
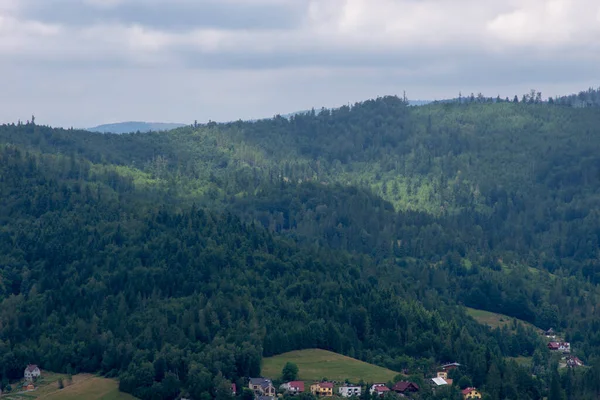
85,62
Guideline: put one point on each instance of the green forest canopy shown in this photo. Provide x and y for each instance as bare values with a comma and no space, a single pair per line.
177,260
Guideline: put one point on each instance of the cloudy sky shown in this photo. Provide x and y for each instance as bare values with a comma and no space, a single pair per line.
85,62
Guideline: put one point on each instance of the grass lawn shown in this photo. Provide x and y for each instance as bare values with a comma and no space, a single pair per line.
522,361
496,320
315,364
84,386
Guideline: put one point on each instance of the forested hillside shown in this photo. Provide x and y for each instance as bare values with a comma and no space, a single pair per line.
177,260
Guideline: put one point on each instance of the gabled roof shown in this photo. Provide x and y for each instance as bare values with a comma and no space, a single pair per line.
381,389
327,385
454,364
298,385
402,386
439,381
260,382
467,390
31,368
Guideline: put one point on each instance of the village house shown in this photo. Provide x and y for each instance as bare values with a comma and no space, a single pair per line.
233,389
293,387
550,333
31,372
379,389
322,389
564,347
438,381
442,374
28,387
471,393
404,387
574,362
350,390
262,387
451,366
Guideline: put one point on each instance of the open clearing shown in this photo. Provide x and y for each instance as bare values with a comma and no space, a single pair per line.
494,320
84,386
316,364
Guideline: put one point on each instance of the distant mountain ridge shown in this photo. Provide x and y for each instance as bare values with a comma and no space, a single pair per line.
135,126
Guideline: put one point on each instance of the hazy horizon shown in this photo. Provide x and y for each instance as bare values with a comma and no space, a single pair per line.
90,62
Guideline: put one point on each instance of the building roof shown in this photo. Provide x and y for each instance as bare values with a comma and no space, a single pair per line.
573,361
454,364
327,385
439,381
468,390
233,388
405,385
31,368
298,385
260,382
381,389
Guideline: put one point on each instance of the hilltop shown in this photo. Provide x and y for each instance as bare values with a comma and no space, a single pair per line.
316,364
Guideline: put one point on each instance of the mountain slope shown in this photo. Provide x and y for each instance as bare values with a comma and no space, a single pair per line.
314,364
96,279
361,230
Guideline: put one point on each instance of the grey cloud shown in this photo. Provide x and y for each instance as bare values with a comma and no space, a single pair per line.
172,15
267,57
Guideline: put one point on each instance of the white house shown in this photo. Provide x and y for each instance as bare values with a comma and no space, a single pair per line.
293,387
439,381
31,372
379,389
349,391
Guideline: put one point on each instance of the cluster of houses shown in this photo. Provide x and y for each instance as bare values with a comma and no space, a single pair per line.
442,380
564,348
265,390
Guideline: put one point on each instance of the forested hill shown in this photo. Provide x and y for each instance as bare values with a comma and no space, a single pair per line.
176,260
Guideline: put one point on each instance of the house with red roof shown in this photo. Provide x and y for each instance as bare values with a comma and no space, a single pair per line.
470,393
379,389
574,362
565,347
405,387
293,387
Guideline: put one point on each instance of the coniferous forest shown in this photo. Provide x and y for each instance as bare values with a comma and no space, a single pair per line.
175,261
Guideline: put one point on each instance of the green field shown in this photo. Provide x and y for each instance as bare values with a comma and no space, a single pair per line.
494,320
83,386
315,364
521,360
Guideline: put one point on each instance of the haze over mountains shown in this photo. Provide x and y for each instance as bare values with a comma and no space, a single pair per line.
135,126
140,126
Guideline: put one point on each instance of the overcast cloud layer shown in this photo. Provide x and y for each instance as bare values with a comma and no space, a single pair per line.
86,62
